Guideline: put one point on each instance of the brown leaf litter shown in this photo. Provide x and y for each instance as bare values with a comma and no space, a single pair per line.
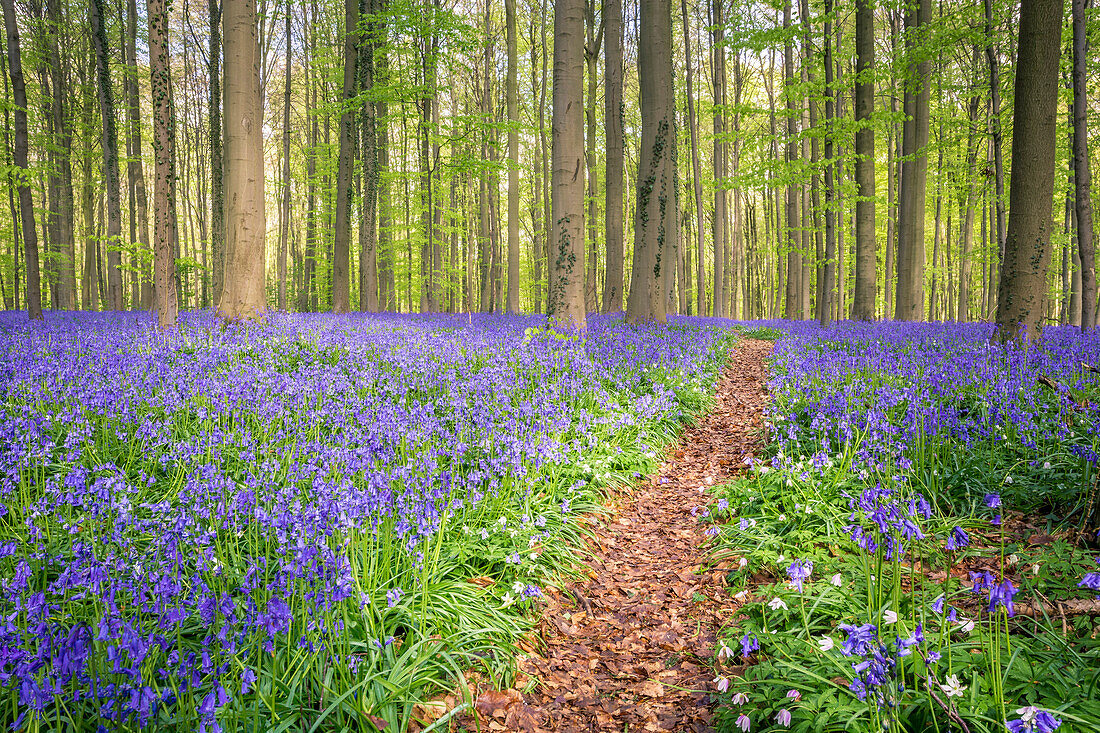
630,646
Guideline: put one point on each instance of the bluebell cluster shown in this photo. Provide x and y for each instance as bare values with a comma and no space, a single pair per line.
176,508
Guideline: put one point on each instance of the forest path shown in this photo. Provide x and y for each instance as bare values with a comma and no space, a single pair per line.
630,646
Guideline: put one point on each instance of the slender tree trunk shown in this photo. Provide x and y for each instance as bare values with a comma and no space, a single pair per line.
387,283
655,219
696,168
593,40
995,97
305,296
718,52
62,170
368,151
243,296
115,300
512,94
566,293
12,186
613,165
1021,298
217,163
914,168
828,280
26,203
164,184
341,276
866,277
284,206
793,308
1083,175
966,234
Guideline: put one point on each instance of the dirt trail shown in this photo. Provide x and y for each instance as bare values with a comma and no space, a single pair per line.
629,648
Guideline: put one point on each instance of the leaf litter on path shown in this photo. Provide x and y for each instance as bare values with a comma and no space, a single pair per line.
629,647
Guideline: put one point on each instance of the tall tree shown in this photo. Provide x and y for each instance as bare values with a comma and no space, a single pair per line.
284,205
164,184
828,278
696,170
613,164
243,296
135,173
721,159
19,155
341,280
593,38
368,151
793,243
1086,243
656,224
909,301
97,10
995,124
566,268
866,277
512,94
1021,294
217,162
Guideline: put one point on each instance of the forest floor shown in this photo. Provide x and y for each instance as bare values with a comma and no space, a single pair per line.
630,646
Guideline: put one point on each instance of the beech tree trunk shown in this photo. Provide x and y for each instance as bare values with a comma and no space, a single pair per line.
243,296
966,216
217,162
512,93
19,155
341,279
115,300
164,183
718,51
656,223
566,267
696,168
793,305
613,165
914,168
284,204
828,278
368,152
1086,243
866,277
1021,296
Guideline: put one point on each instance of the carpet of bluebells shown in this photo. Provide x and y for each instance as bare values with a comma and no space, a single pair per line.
276,526
904,548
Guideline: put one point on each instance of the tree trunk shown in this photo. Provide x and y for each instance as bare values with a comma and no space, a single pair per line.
613,165
217,161
793,306
591,59
866,277
696,168
512,93
655,218
566,291
341,277
909,300
96,9
26,203
164,184
966,217
828,279
1083,175
305,296
368,151
284,206
243,296
1023,284
387,282
995,97
718,52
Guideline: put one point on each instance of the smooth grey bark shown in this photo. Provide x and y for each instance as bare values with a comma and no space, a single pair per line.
613,164
866,255
1021,295
164,180
656,225
19,156
341,248
1086,243
566,289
